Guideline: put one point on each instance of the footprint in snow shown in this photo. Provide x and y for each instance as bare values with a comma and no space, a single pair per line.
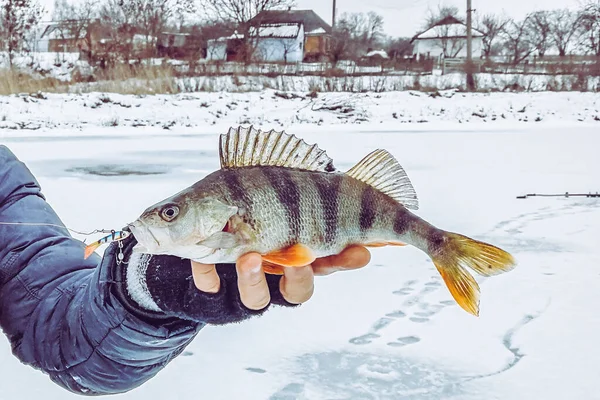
404,341
381,323
419,320
364,339
256,370
396,314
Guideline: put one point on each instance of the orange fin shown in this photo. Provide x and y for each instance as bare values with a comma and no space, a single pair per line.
271,268
458,252
382,244
297,255
463,288
89,249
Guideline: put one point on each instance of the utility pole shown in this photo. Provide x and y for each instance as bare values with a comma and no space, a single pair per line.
333,16
469,66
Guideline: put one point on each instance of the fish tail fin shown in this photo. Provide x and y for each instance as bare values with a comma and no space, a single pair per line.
89,249
454,253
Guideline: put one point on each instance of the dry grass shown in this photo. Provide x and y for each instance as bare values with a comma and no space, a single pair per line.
13,82
136,80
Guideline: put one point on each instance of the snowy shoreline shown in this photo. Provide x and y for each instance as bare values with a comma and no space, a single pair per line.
273,109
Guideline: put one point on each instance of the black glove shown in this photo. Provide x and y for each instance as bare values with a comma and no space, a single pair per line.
158,287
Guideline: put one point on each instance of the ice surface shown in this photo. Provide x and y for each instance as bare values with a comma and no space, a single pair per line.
391,330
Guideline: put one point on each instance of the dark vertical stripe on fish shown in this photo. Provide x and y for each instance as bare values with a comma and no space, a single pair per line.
329,191
288,194
234,186
400,221
367,208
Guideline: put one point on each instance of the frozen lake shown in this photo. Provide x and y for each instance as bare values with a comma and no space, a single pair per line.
390,330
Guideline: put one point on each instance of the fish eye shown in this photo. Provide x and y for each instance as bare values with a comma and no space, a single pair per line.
169,213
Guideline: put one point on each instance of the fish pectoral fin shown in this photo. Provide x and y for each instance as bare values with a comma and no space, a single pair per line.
383,244
89,249
297,255
220,240
271,268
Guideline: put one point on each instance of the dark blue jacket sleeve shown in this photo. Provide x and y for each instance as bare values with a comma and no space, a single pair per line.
60,312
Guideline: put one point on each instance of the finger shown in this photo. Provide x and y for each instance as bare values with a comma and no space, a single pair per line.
252,282
205,277
297,284
353,257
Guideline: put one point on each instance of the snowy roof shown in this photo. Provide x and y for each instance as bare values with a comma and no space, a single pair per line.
448,27
225,38
318,31
284,30
310,19
375,53
61,32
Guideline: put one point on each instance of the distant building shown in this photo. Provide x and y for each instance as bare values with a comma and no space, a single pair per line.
448,39
316,32
62,37
226,48
278,42
178,45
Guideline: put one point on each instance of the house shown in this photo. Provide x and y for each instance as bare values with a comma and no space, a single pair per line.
317,33
277,42
62,37
448,39
282,42
225,48
178,45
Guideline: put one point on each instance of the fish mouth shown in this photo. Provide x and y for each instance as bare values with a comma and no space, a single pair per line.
142,231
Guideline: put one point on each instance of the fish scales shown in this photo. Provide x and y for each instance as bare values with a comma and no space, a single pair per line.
283,198
321,210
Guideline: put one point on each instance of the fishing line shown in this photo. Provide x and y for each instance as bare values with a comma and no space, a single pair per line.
59,226
566,194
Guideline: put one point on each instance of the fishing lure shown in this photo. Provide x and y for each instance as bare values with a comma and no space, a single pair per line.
114,236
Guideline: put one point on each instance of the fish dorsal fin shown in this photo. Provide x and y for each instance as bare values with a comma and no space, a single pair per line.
382,171
249,147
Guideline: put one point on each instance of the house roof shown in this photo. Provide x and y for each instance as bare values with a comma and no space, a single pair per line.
311,21
62,30
377,53
291,30
448,27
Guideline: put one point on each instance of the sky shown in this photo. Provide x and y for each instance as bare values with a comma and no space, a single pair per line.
405,17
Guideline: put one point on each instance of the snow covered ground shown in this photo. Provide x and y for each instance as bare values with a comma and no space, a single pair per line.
52,113
391,330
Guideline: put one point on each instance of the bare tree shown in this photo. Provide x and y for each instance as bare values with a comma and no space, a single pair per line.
399,47
493,27
564,25
360,31
340,45
374,28
19,20
442,11
242,11
74,21
289,46
154,15
540,31
590,27
517,40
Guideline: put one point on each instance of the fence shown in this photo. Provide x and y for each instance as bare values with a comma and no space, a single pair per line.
402,67
549,65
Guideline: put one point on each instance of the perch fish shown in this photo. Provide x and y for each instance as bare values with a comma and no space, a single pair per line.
283,198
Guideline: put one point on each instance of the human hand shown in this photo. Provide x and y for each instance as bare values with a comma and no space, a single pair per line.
296,285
